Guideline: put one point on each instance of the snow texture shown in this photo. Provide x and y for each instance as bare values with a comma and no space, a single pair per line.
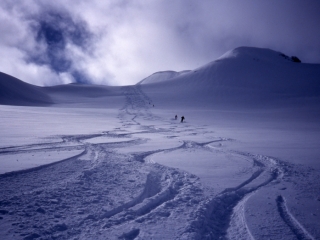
113,163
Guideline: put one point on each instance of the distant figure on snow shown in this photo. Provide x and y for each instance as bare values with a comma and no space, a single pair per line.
182,118
175,117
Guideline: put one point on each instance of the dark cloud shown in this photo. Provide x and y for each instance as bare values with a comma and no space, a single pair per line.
80,77
55,31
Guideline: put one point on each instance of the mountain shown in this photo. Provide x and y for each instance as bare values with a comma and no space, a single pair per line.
162,76
16,92
245,75
114,162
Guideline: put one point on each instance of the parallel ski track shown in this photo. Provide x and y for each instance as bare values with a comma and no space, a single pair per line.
88,182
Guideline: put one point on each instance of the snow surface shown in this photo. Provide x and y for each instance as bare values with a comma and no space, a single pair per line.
113,163
162,76
15,92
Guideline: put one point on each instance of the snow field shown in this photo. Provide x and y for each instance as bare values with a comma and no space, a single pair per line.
27,160
244,164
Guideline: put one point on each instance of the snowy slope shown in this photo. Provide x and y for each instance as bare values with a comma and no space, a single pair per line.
89,95
162,76
113,163
244,75
136,173
16,92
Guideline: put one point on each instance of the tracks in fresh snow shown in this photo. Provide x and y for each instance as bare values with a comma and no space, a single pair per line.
298,230
113,190
223,216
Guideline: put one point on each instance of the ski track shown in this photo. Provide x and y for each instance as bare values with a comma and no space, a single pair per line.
79,197
298,230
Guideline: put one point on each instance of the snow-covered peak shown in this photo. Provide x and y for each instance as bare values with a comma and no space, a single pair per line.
253,53
247,74
162,76
239,74
242,64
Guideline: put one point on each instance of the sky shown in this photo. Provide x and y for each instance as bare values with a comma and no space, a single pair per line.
120,42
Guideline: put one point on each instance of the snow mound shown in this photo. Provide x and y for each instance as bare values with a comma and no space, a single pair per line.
264,54
245,74
162,76
261,69
16,92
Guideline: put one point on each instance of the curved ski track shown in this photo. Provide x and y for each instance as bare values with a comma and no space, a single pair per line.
101,191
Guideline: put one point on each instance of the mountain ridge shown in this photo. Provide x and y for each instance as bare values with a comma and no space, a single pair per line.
249,73
13,91
255,68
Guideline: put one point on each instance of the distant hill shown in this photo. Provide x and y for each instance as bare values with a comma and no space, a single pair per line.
243,75
84,93
16,92
162,76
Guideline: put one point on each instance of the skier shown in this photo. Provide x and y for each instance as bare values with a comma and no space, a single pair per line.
176,117
182,118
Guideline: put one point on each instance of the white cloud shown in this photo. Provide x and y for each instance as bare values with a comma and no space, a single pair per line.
132,39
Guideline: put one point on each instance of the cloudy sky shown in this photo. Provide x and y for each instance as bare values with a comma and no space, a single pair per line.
120,42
